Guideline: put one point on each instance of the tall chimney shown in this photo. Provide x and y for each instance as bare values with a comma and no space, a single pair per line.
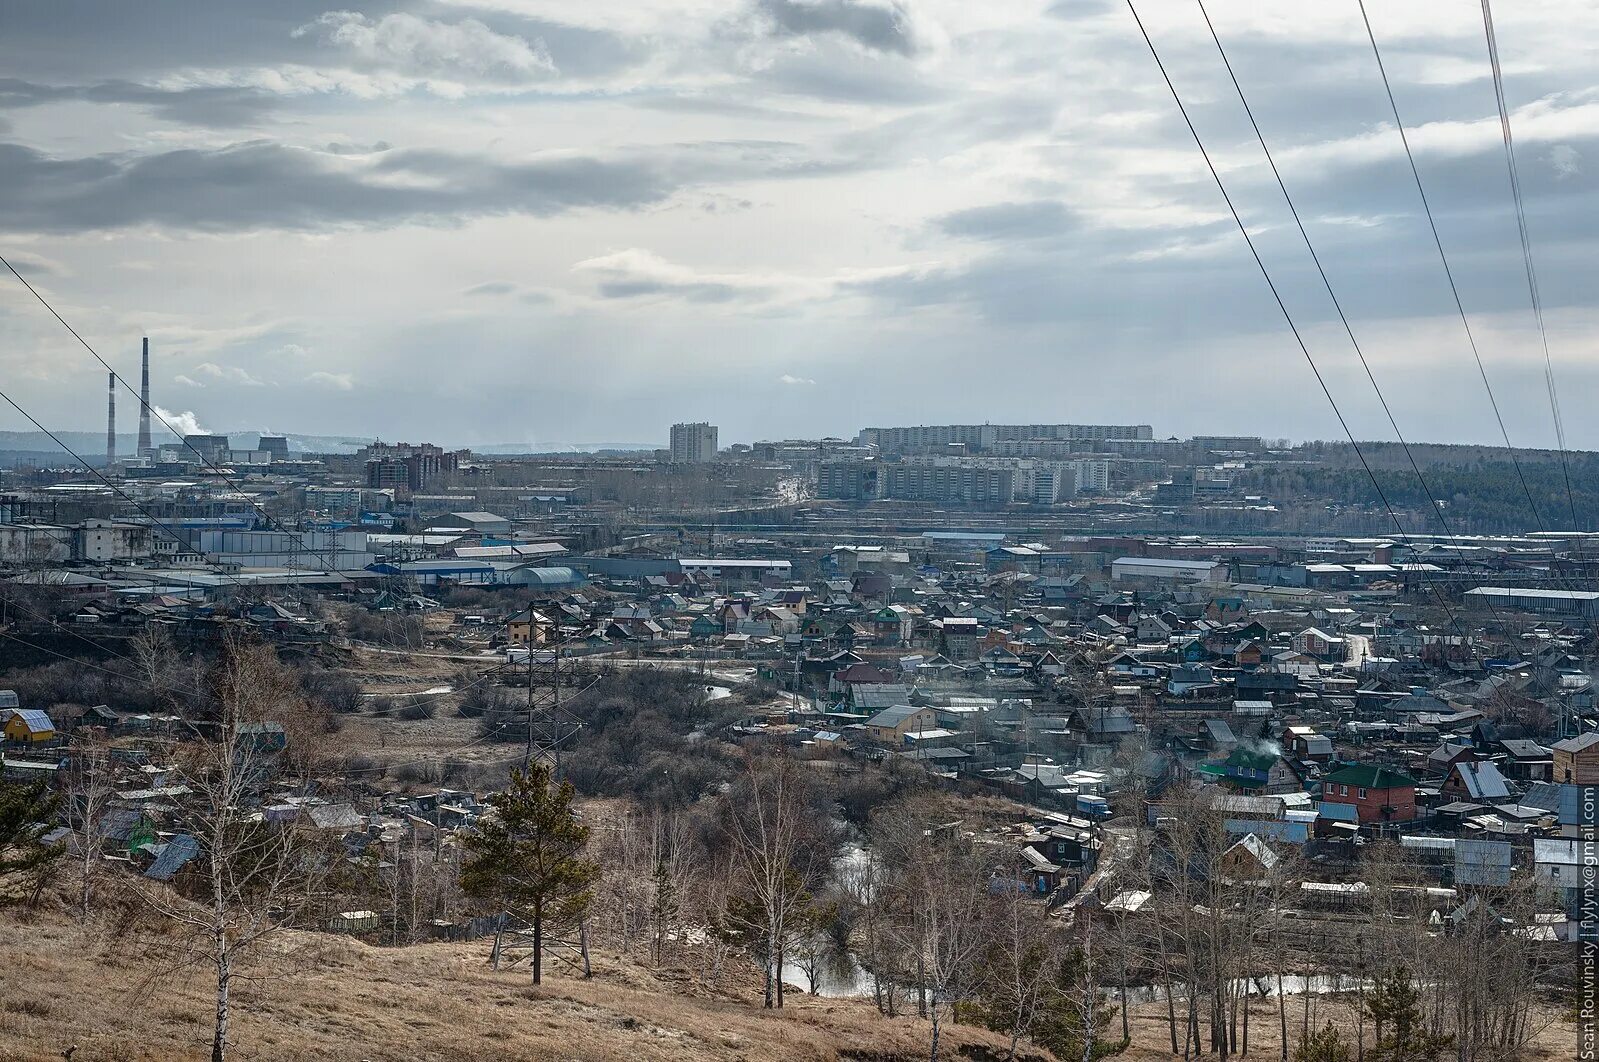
144,402
111,420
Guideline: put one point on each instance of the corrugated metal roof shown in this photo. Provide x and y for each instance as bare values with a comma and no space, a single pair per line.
174,854
35,719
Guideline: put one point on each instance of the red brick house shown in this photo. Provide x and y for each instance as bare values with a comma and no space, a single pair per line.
1378,795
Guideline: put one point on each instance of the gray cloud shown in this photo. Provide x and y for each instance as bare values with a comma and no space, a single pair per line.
210,106
265,185
880,26
1040,219
404,42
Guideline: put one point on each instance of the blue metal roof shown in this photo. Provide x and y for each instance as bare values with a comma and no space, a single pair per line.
174,854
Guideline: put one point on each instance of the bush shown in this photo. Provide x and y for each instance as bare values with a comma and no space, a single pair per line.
483,699
334,691
396,629
414,708
643,736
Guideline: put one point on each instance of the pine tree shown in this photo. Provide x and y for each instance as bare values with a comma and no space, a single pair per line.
1324,1046
1072,1022
663,906
527,857
1395,1011
25,814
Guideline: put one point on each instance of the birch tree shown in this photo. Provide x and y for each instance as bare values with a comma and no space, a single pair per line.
91,784
776,860
251,877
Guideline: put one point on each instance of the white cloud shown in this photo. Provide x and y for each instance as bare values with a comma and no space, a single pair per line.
1565,161
636,273
228,373
791,380
338,381
186,381
405,42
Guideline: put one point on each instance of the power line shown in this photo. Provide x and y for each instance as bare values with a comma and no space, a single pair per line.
1526,252
1266,275
147,408
1337,305
100,476
1448,272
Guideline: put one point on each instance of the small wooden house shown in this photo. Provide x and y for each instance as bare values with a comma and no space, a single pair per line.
27,726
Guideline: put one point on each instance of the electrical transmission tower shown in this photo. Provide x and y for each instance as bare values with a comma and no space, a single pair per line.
550,724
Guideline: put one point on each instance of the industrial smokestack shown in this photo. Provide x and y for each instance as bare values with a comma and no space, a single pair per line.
144,402
111,420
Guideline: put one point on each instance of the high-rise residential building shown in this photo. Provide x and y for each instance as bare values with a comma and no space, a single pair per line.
850,480
410,466
979,438
693,443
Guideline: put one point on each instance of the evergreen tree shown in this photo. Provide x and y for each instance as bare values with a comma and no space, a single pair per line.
1324,1046
1394,1007
1062,1023
663,906
25,814
527,857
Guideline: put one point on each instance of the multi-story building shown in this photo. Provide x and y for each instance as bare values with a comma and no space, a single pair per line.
850,480
966,480
408,466
951,481
1092,476
109,540
979,438
335,501
693,443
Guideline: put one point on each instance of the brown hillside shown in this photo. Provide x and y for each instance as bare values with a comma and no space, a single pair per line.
436,1002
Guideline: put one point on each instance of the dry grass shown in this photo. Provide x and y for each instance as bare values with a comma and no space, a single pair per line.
1151,1038
344,1000
334,998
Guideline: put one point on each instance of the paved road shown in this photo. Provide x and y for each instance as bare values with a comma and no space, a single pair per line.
1357,647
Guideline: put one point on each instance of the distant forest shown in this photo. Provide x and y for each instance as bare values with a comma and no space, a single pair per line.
1479,488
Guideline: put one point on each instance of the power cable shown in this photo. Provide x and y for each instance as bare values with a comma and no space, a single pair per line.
100,476
146,407
1337,305
1526,252
1448,272
1266,275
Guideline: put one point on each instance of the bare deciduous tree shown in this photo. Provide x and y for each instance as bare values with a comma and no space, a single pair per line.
251,876
774,844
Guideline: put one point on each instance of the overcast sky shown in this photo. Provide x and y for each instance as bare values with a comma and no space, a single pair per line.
576,221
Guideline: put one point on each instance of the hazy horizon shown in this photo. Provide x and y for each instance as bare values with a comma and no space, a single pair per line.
482,221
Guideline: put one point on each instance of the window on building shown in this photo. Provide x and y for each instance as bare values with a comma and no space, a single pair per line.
1363,794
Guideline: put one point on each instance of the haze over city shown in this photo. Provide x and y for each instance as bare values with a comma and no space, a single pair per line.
756,530
542,222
